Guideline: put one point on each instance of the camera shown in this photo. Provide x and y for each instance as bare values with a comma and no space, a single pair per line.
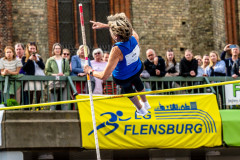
232,46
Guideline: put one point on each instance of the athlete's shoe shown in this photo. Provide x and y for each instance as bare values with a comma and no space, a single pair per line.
145,104
142,112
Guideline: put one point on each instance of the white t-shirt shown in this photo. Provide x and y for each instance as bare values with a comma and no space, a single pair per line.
82,62
59,64
38,70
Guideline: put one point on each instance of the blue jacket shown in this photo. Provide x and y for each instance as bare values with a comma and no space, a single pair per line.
76,65
219,69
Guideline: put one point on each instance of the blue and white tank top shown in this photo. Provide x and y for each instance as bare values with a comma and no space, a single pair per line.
131,63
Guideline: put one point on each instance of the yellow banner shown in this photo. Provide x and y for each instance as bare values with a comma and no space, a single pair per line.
179,121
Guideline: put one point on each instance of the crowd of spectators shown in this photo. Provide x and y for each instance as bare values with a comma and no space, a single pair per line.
27,60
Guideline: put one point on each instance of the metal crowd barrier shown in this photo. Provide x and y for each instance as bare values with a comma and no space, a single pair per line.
77,85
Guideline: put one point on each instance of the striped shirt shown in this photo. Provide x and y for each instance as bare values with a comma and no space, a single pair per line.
10,65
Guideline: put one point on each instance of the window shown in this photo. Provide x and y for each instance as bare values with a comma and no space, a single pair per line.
64,24
70,34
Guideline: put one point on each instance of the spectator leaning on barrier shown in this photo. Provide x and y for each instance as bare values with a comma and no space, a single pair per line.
58,66
155,65
77,63
216,66
10,65
188,65
98,65
172,68
33,65
232,63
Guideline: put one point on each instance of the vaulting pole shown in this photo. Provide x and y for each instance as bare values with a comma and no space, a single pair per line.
89,81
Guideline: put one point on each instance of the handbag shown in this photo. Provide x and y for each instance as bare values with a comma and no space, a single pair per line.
56,84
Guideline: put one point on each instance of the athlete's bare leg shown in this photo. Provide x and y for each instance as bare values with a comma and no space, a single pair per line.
136,102
143,97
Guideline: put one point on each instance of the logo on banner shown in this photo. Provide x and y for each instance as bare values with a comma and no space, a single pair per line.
111,122
184,111
162,113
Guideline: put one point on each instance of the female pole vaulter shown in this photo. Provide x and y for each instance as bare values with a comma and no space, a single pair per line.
124,63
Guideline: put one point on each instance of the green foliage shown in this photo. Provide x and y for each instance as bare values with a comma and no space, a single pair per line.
12,102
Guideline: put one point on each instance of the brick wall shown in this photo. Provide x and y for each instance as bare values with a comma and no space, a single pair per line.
30,23
5,24
52,24
219,33
178,25
200,26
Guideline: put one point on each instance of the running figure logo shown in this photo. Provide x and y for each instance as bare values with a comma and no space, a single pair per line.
110,122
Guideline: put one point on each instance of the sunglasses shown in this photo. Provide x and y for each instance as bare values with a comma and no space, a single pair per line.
66,54
97,53
32,43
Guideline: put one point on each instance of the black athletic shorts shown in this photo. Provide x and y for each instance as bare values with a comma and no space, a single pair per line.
135,80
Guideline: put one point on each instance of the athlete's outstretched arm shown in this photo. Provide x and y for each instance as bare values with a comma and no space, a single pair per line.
113,60
99,25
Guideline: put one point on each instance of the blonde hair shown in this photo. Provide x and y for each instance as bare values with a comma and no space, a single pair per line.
27,53
198,56
65,49
218,58
120,26
78,51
